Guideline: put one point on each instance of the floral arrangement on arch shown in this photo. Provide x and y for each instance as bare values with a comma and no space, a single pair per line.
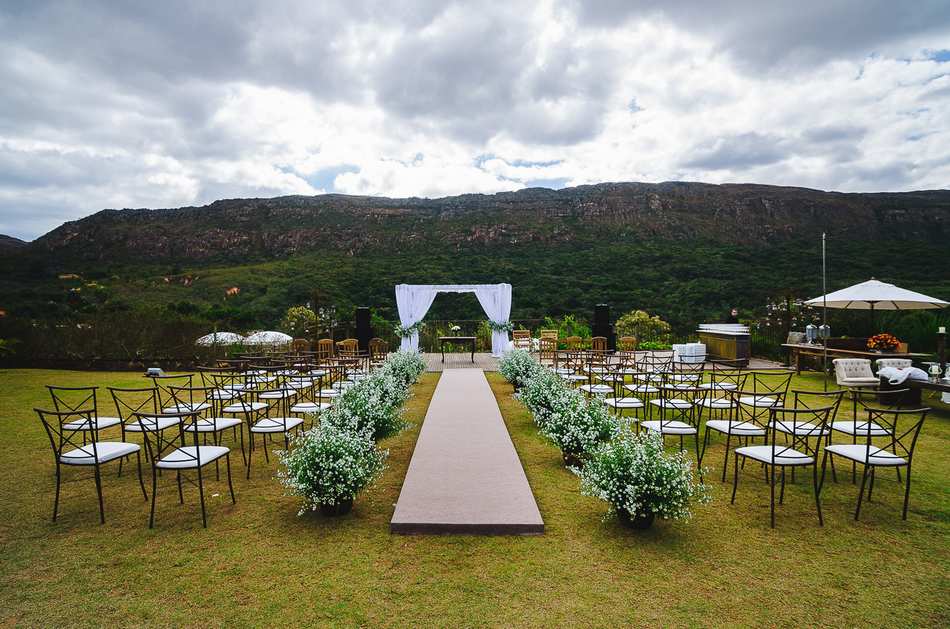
494,326
408,330
883,342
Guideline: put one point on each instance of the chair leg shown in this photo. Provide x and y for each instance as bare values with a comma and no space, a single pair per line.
243,455
227,459
181,496
56,497
735,478
102,512
772,496
824,462
781,498
906,493
864,479
138,460
725,460
201,498
871,484
699,458
250,450
821,520
151,515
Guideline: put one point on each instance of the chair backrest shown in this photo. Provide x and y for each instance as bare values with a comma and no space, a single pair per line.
61,436
656,362
818,399
897,363
129,402
187,398
325,348
771,384
548,334
846,368
573,342
161,439
66,399
598,343
627,343
378,349
901,443
548,349
520,334
347,345
723,380
807,426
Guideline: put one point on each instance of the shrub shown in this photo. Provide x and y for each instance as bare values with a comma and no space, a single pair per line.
329,466
578,426
640,324
371,407
638,478
568,325
404,367
517,367
546,395
299,322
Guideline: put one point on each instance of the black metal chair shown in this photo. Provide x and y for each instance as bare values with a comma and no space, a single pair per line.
898,452
68,399
61,428
174,455
801,452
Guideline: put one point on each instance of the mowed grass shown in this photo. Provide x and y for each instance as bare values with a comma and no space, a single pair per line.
258,563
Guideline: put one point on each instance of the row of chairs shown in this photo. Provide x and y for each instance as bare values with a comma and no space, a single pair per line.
183,420
671,399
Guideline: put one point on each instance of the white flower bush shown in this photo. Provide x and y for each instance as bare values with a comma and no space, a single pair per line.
578,426
518,366
330,466
638,478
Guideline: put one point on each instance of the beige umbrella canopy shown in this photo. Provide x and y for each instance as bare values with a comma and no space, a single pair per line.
876,295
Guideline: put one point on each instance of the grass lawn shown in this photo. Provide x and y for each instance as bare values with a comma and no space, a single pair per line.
258,563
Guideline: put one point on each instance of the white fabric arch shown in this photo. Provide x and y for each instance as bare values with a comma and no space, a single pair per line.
414,300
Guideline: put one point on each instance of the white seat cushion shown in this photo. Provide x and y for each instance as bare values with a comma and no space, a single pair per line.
859,452
575,377
331,393
151,423
859,382
596,389
224,394
759,401
719,386
672,403
799,429
97,423
673,427
213,424
187,407
184,458
782,455
745,429
309,407
860,428
623,402
105,451
244,407
276,424
716,402
275,395
641,388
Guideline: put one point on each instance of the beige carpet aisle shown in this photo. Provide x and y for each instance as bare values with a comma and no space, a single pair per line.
465,476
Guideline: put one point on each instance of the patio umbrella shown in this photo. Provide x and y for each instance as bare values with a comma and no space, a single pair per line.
876,295
220,338
268,337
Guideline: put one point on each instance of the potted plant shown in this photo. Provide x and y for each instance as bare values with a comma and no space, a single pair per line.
328,467
641,481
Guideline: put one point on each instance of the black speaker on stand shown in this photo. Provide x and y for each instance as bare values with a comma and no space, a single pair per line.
602,326
364,331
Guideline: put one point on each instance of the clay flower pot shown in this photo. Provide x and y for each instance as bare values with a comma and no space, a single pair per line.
340,508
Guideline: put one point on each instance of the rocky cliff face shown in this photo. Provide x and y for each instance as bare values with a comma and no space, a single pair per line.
730,214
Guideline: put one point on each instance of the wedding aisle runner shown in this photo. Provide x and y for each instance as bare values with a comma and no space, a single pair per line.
465,476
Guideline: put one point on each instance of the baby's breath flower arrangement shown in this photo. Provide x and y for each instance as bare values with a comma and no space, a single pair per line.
329,466
641,481
518,366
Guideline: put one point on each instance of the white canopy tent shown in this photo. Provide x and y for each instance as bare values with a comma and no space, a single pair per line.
413,302
220,338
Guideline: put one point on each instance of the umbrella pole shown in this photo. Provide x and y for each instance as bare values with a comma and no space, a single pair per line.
824,313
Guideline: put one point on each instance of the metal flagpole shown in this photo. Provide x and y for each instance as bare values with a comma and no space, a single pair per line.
824,312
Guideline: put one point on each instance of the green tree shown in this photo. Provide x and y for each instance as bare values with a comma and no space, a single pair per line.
299,321
640,324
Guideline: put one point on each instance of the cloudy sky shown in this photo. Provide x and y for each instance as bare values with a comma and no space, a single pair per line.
182,103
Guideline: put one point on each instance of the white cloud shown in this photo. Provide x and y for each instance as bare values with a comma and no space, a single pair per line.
177,104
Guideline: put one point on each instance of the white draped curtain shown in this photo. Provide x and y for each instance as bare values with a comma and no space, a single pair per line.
414,300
